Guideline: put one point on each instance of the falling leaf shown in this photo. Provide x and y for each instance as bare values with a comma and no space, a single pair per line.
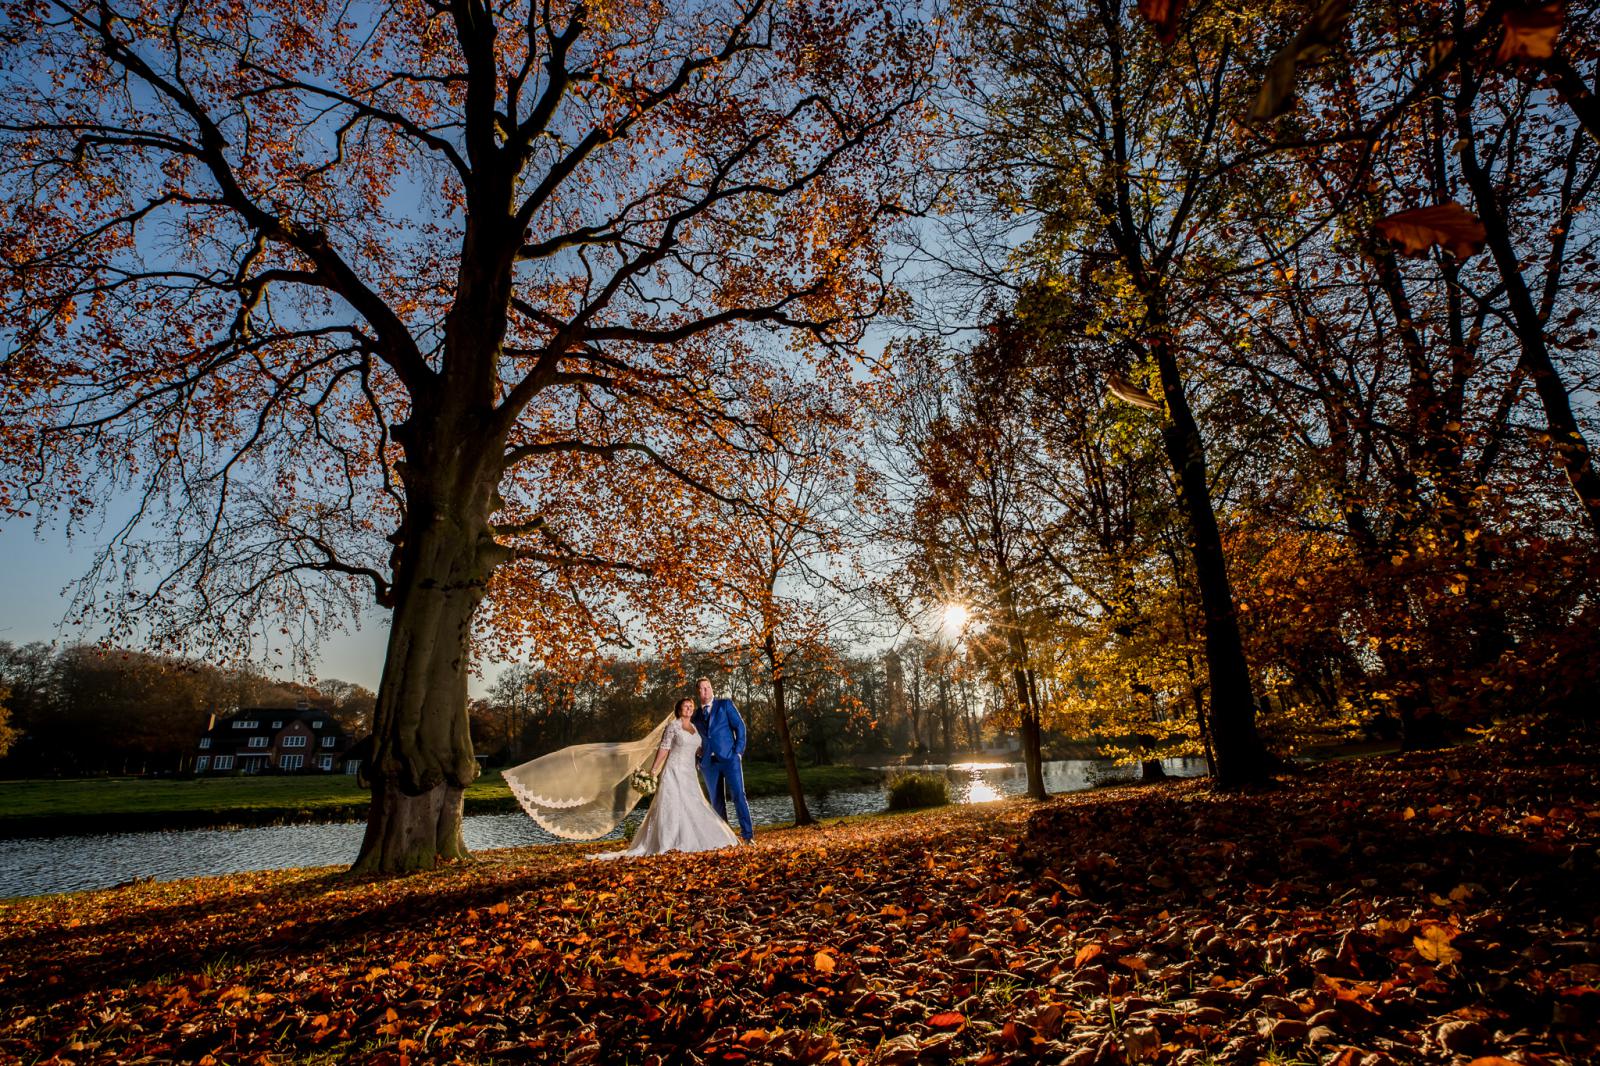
1449,226
1530,32
1128,392
1307,46
1163,16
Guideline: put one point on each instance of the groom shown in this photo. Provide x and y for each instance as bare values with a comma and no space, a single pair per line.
721,754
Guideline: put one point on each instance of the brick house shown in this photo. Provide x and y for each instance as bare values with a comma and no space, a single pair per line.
275,740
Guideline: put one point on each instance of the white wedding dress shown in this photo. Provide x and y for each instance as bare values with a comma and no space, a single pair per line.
680,818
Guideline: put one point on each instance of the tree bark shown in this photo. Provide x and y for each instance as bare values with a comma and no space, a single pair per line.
780,718
1564,433
1240,758
1032,757
422,757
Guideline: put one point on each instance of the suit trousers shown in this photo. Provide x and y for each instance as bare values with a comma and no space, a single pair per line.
723,776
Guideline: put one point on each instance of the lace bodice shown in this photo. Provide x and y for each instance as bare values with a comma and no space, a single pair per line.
682,744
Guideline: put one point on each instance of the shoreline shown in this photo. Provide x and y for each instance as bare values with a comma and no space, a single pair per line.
484,798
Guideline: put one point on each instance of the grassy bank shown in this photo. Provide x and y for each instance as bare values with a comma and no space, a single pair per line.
102,805
1428,909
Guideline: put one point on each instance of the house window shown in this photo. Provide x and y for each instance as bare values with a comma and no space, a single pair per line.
246,723
326,762
278,724
224,762
291,762
329,742
352,766
205,742
258,742
201,763
317,724
294,741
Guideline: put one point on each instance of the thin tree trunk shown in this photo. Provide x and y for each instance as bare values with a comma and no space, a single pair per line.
1240,757
1031,746
1565,435
780,717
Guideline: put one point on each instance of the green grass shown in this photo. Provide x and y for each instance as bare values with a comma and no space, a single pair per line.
769,779
114,804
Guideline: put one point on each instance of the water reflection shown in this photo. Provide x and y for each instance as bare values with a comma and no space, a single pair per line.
63,864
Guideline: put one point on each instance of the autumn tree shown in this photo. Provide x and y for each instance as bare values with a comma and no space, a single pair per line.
784,591
8,735
970,527
437,305
1109,143
1426,382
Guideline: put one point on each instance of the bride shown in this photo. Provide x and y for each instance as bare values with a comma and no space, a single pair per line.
585,791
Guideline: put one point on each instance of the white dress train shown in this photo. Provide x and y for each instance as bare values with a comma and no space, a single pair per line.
680,818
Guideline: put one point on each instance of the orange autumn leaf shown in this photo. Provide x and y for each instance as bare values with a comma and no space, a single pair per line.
950,1019
823,962
1449,226
1163,16
1086,953
1434,945
1530,32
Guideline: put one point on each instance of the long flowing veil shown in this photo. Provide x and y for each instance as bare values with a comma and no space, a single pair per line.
583,792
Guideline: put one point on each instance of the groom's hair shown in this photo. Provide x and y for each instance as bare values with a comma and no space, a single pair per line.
703,681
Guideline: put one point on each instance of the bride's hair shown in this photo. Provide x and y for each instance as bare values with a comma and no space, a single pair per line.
677,708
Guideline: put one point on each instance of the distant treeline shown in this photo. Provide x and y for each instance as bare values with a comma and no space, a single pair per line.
915,700
85,709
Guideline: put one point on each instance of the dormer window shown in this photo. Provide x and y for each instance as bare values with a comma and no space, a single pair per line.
317,724
278,724
246,723
205,742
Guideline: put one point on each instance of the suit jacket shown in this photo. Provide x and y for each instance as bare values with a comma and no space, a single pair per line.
722,732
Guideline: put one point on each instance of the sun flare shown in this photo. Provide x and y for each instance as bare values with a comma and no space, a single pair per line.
954,618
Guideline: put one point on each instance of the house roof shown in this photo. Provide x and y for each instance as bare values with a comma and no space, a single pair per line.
231,732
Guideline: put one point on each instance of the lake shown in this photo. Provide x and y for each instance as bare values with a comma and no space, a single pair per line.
38,865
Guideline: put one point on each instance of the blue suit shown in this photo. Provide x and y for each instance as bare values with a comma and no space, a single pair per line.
722,743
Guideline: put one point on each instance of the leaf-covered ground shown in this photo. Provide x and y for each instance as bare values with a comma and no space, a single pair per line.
1426,908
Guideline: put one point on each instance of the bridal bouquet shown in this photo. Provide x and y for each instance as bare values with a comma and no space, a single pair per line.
643,782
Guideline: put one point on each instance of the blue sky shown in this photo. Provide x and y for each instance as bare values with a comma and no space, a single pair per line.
36,568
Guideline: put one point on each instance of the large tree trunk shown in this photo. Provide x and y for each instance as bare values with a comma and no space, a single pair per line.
780,717
1240,757
422,757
